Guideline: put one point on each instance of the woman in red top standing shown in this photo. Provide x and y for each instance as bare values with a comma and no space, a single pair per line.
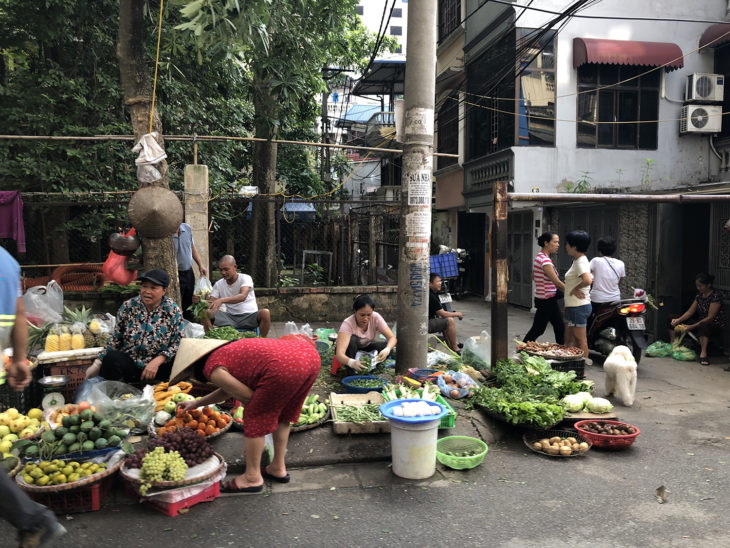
271,377
546,285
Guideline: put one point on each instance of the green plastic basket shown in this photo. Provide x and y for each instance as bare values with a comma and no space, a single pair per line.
460,444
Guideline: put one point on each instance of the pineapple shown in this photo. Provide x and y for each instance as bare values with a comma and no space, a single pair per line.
82,315
102,339
53,340
77,336
89,339
64,339
37,335
95,326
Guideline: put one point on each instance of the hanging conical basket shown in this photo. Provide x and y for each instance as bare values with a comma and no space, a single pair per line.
155,212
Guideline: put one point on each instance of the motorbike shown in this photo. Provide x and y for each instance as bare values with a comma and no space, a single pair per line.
618,324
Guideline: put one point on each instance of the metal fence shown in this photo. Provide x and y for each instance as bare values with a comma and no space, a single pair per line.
321,242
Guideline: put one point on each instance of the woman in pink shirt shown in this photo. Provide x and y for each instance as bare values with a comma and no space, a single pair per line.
547,285
357,334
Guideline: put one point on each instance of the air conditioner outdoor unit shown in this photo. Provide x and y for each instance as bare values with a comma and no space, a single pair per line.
701,119
703,87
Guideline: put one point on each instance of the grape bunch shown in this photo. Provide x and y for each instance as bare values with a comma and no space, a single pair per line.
186,441
159,465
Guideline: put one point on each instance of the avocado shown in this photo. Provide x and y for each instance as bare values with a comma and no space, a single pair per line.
69,439
31,452
66,421
87,426
101,443
48,436
94,433
75,429
114,441
60,432
85,415
87,446
75,420
106,423
74,448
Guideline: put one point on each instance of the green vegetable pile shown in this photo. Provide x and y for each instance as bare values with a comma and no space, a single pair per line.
370,412
529,392
312,411
228,333
368,383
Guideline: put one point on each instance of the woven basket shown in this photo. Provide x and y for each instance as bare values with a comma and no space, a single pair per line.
16,469
531,437
502,418
124,471
460,444
304,427
90,480
152,429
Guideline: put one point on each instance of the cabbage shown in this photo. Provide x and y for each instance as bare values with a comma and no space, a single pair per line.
572,403
598,405
585,397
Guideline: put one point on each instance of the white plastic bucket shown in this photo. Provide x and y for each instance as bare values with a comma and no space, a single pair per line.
414,448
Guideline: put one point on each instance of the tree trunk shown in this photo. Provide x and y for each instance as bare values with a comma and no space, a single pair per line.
263,241
134,74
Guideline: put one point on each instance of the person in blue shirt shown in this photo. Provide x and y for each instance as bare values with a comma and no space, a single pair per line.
186,254
36,524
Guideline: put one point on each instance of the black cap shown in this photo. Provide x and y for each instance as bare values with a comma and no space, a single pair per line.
156,276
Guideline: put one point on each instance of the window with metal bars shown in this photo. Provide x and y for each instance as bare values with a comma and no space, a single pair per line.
449,17
448,130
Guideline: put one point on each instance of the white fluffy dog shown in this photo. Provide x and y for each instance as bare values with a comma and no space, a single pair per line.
620,368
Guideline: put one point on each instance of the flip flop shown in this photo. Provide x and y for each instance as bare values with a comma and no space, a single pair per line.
271,477
230,487
704,361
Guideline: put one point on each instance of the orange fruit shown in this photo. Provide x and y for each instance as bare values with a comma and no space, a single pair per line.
220,423
83,405
209,430
192,424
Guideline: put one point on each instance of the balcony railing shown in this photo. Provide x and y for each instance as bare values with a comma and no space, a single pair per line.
482,173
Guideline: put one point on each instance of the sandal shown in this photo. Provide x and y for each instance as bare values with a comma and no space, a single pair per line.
231,487
704,360
267,476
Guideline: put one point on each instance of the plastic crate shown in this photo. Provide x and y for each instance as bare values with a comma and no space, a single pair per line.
570,365
74,501
444,265
446,422
76,371
172,509
24,400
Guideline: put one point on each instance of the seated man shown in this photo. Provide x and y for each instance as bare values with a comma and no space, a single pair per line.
440,320
236,292
146,335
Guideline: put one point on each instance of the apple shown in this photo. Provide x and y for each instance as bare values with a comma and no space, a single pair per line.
170,407
179,397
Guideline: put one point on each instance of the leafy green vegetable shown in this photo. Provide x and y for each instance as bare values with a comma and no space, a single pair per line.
228,333
519,409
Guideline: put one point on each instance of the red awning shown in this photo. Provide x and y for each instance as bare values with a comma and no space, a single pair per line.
627,52
716,35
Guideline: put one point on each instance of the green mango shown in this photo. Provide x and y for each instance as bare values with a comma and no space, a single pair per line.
114,441
61,449
75,429
48,436
74,448
85,415
31,452
97,418
87,446
75,420
101,443
106,423
94,433
87,426
66,421
60,432
81,437
69,439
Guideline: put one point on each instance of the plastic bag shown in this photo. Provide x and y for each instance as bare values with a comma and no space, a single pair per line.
477,352
148,174
659,349
203,288
192,330
684,354
291,329
45,302
372,355
464,385
440,360
123,404
115,269
83,393
150,151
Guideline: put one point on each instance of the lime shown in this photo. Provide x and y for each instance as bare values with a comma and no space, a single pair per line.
43,480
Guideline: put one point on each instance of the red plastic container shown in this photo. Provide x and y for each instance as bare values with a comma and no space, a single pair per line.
83,499
607,441
172,509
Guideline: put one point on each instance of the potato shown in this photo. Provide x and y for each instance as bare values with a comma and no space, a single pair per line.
575,446
555,439
565,450
552,450
545,441
572,440
537,446
448,379
583,446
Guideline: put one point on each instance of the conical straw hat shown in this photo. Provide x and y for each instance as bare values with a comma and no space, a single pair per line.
155,212
190,351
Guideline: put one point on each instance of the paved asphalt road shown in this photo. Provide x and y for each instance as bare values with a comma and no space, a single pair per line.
515,498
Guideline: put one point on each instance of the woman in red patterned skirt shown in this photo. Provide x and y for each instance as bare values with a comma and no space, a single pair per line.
271,377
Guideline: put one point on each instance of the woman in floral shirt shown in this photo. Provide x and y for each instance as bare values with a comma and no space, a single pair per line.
146,335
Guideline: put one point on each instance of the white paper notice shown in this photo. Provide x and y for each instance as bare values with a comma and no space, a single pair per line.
418,224
419,187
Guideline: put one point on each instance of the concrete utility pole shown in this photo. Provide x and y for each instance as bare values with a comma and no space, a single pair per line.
416,186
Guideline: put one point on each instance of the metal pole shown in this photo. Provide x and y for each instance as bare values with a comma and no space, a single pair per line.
498,251
416,189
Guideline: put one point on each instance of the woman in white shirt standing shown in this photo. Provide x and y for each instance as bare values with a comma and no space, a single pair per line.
577,282
607,273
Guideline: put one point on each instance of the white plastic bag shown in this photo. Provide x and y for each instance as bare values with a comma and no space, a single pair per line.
477,352
45,301
192,330
290,328
203,287
372,355
124,405
150,151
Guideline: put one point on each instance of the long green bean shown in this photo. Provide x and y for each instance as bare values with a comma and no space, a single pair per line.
359,414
